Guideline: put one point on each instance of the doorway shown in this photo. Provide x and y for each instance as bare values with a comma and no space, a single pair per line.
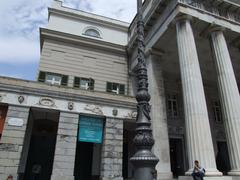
128,150
222,159
177,157
3,114
89,148
41,145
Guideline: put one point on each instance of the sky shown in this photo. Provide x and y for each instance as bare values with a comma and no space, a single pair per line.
19,29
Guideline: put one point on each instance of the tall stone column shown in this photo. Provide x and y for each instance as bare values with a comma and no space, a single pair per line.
12,141
198,135
229,96
159,117
65,150
112,150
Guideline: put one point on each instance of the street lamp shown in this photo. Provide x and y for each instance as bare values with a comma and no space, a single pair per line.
144,161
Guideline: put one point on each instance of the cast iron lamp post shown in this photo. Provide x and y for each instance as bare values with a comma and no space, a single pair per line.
144,161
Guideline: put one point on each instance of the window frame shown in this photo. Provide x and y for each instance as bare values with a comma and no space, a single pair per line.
217,112
172,99
78,84
120,88
90,28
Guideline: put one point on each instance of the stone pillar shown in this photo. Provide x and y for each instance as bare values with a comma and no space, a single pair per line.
64,158
229,96
12,142
111,165
159,117
198,135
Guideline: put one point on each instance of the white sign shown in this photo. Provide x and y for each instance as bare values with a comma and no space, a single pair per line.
15,122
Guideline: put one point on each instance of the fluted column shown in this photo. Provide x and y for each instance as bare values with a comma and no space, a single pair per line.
229,96
198,135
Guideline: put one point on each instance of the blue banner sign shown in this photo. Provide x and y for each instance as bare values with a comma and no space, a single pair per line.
90,129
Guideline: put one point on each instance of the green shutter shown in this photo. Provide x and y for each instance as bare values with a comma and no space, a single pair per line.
91,84
64,80
42,76
76,82
109,87
122,89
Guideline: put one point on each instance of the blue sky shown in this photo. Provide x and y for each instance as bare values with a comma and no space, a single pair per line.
19,29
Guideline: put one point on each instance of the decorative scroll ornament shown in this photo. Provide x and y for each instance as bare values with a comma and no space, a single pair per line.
46,101
132,115
95,109
70,105
21,99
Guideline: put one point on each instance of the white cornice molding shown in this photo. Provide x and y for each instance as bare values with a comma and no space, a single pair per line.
89,42
92,18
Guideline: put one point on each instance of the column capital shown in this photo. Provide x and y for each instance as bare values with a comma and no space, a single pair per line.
210,29
182,18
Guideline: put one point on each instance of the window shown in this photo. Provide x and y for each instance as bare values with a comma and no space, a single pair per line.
217,112
115,88
92,32
52,78
84,83
172,106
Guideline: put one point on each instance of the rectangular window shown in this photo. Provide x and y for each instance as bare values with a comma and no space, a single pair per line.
116,88
172,106
217,112
53,78
84,83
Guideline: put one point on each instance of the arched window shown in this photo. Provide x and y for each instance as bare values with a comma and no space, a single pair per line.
92,32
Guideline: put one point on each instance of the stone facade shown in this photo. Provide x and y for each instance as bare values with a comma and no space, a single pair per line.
12,143
111,166
65,146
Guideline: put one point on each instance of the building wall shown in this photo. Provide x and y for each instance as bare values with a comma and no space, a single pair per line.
80,61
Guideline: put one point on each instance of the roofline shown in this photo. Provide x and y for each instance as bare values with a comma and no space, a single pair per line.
58,8
66,37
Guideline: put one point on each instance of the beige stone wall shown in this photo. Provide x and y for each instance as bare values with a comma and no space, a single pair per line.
80,61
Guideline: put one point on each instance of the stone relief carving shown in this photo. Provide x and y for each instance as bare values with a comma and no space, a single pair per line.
132,115
95,109
21,99
70,105
46,101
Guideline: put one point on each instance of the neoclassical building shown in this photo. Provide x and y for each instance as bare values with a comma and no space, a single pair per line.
76,121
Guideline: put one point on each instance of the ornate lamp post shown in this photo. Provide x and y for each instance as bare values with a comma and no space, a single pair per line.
144,161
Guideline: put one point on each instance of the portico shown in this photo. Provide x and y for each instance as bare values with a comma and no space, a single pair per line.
195,57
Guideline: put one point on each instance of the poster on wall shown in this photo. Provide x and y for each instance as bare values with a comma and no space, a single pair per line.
90,129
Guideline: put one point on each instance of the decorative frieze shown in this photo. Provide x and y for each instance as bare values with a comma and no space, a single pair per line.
220,9
94,108
46,101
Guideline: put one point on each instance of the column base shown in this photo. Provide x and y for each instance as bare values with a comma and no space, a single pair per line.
58,177
111,178
164,176
208,173
234,172
208,178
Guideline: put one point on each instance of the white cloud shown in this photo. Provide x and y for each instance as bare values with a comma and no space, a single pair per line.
18,51
20,21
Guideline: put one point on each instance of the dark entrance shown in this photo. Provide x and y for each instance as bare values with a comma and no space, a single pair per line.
223,163
128,150
89,148
176,156
42,145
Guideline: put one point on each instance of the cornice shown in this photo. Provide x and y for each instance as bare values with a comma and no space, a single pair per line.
89,42
34,88
95,20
